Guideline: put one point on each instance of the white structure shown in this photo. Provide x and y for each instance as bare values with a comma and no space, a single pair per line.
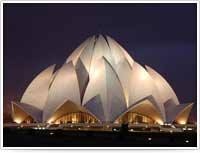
100,82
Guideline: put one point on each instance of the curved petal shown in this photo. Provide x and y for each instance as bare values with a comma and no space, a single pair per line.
178,113
35,97
104,82
183,115
141,84
87,53
95,107
101,49
116,51
65,86
146,107
82,76
21,111
77,52
124,72
65,108
164,89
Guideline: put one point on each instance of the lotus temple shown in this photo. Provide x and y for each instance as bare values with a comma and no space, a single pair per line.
100,83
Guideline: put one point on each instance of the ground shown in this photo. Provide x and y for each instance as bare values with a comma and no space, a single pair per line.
13,137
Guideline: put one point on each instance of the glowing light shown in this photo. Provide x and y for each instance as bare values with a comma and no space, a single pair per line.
117,122
57,122
18,121
149,139
143,76
126,95
187,141
182,122
96,73
74,120
51,133
50,121
159,122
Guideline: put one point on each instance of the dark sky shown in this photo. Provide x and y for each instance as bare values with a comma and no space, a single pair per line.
162,36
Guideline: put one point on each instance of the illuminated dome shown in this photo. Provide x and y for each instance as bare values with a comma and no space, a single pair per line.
100,83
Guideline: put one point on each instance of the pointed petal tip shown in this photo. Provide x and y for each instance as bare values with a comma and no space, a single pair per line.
108,37
147,67
100,36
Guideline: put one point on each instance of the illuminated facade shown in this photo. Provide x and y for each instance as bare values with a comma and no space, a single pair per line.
78,117
100,83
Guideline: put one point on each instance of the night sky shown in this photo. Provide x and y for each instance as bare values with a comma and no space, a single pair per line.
162,36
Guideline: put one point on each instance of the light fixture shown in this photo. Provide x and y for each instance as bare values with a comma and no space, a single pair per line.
149,139
159,122
18,121
182,122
